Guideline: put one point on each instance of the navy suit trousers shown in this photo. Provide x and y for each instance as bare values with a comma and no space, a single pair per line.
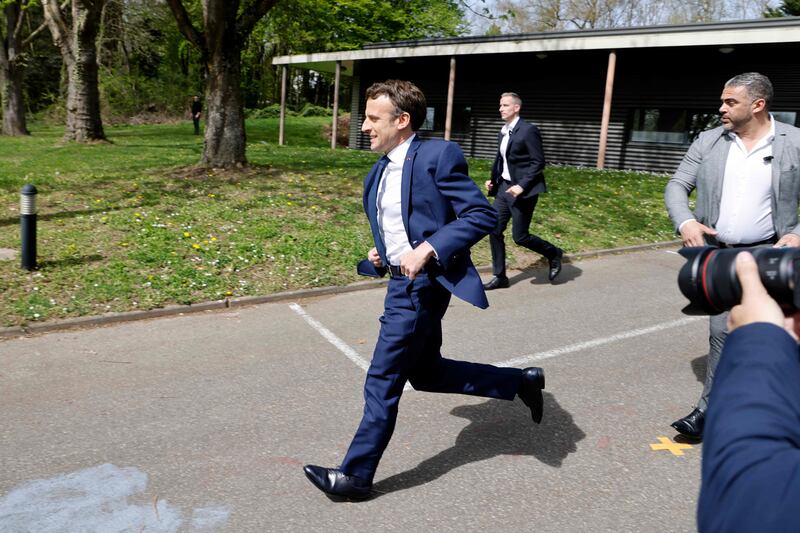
408,350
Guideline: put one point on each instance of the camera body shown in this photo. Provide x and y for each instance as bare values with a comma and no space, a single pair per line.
709,281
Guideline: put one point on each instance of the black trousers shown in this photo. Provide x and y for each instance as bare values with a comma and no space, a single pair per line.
520,212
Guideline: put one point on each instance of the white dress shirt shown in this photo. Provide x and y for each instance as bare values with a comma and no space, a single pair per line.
390,214
506,131
745,211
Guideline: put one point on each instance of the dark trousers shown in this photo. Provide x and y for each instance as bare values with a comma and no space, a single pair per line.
408,350
196,122
520,212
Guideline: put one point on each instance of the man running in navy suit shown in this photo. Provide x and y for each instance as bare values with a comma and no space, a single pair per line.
425,213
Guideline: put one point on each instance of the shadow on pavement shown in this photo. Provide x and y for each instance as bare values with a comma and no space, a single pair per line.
496,427
699,365
538,275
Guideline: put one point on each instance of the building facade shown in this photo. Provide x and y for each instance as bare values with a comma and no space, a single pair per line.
658,87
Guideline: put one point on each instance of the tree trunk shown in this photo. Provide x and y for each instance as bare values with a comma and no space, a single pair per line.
84,122
225,133
220,44
79,51
13,102
83,95
11,75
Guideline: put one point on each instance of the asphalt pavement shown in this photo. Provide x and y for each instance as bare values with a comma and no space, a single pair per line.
202,422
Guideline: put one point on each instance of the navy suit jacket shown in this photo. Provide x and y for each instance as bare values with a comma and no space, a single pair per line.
525,156
442,205
751,447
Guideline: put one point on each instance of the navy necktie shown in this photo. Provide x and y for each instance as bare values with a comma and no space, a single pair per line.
382,163
376,183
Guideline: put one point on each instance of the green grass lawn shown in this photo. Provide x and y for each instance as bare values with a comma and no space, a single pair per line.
133,224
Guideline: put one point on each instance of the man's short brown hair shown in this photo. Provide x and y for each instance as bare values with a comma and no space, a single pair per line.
406,97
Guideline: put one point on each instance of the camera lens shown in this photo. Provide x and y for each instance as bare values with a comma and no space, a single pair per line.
709,281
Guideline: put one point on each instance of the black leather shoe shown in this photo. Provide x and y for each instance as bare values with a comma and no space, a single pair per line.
337,485
555,265
691,425
531,391
497,282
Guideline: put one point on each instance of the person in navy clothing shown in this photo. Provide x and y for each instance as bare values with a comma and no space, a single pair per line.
425,213
751,451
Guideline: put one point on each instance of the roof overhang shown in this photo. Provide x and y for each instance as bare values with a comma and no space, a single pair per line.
766,31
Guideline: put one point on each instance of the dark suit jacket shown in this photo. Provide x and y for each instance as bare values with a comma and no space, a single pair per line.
751,447
525,156
442,205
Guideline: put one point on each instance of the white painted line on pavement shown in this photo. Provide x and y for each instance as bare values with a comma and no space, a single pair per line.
331,337
525,360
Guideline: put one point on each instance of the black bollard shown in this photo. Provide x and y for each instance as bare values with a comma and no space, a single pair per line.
27,220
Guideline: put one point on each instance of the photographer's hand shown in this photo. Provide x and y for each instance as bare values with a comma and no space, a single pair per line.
757,305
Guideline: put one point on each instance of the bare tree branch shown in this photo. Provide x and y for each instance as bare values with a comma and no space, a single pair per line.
32,35
54,18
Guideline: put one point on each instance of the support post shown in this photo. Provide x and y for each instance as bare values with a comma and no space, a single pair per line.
335,126
27,221
282,122
448,118
601,150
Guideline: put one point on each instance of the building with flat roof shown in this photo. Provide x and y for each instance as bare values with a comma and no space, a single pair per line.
629,98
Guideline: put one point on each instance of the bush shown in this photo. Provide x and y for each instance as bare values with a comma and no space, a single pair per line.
342,131
271,111
311,110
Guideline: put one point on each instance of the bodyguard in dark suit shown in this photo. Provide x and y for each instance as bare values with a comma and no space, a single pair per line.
425,213
751,451
517,180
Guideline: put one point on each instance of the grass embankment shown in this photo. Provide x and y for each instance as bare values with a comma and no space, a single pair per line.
134,225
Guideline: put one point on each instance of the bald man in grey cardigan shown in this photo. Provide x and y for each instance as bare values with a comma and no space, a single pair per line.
747,176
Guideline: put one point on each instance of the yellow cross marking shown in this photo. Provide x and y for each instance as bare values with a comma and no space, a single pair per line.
674,447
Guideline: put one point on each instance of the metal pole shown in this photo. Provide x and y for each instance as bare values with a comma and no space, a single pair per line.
282,123
601,150
334,128
448,119
27,220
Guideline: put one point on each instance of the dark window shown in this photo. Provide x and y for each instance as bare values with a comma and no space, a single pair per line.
430,119
670,126
435,118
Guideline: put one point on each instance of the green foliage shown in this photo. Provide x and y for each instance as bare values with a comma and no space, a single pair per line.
148,70
788,8
316,25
